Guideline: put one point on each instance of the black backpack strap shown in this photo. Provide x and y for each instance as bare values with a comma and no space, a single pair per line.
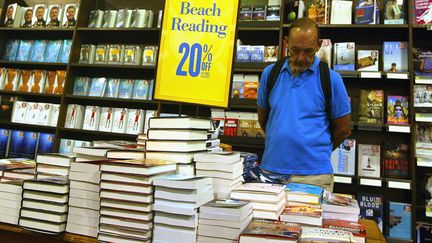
326,86
273,76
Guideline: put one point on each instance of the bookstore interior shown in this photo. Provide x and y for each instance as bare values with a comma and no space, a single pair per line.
136,121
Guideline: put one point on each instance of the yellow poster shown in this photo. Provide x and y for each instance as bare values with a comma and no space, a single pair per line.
196,51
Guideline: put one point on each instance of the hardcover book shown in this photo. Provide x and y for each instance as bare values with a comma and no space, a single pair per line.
245,13
259,12
344,56
46,143
140,90
4,142
422,62
29,145
97,87
101,54
395,58
341,12
273,11
74,116
13,16
135,121
397,109
371,207
125,88
260,229
59,82
368,60
394,12
111,88
366,12
81,86
343,158
371,107
395,160
399,221
369,160
421,95
87,53
50,82
65,51
19,111
70,15
38,50
25,81
55,13
271,53
27,17
106,120
92,118
11,79
52,51
43,116
237,86
39,16
325,51
55,112
24,49
257,54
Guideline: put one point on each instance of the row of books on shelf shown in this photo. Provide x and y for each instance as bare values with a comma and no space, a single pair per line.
422,95
107,119
41,16
389,160
248,53
118,54
261,12
33,81
56,51
35,113
230,123
245,86
16,144
114,88
123,18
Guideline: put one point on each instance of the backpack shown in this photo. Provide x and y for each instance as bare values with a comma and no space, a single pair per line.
325,84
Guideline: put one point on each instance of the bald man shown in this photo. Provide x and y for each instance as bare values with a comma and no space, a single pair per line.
299,141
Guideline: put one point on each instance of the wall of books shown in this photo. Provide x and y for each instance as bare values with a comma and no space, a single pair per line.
73,72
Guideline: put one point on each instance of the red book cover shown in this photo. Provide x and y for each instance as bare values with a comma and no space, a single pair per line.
231,125
357,229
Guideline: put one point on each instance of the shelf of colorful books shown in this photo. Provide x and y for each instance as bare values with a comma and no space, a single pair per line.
252,142
368,181
254,67
25,235
343,179
54,98
239,103
27,127
81,134
399,184
34,65
112,102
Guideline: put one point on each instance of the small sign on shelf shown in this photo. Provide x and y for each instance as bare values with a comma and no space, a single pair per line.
370,182
397,75
370,74
399,185
399,128
342,179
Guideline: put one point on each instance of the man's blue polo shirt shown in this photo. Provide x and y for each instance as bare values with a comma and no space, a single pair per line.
298,140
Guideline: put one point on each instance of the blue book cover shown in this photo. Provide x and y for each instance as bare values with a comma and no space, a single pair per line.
243,54
38,50
399,222
257,54
11,50
125,88
364,12
249,161
304,188
81,86
4,139
150,92
29,145
371,207
97,87
344,56
24,49
395,56
16,143
66,146
46,143
141,88
52,51
65,51
112,88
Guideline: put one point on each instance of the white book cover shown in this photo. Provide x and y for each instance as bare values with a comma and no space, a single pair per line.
369,160
91,118
135,121
368,60
74,116
44,114
106,120
55,111
70,14
343,158
54,16
39,16
19,111
32,113
341,12
120,120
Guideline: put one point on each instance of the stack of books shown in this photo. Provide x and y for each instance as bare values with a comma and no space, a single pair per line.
53,164
223,220
45,204
177,199
340,207
17,169
225,168
177,139
90,153
126,199
357,229
270,231
303,204
315,234
84,199
10,201
268,200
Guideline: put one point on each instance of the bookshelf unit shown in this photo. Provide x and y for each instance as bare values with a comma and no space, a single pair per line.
251,33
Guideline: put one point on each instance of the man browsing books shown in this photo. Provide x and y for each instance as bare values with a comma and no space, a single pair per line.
302,128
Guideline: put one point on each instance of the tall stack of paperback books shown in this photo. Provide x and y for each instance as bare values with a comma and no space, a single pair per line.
225,168
340,207
45,204
268,200
84,199
126,199
223,220
177,139
10,201
177,199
